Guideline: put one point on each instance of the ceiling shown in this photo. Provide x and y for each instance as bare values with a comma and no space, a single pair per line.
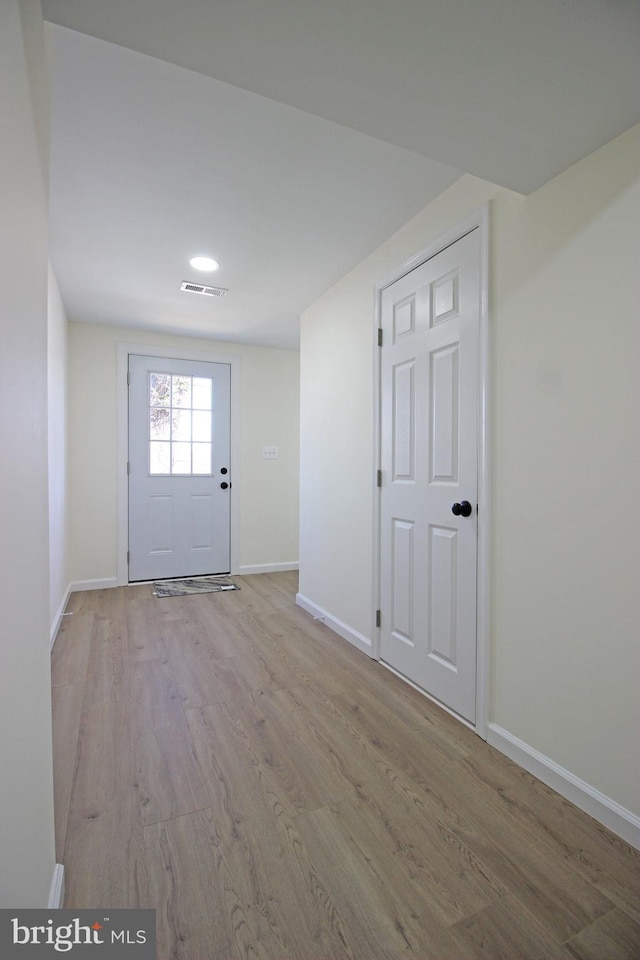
289,138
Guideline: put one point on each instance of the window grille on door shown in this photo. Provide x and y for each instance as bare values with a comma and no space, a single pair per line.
180,425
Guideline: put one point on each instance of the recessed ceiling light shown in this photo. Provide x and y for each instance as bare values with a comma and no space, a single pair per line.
204,263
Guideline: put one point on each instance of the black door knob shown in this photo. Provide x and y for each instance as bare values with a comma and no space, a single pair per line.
224,486
462,509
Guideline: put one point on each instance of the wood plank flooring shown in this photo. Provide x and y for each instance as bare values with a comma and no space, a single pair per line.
276,795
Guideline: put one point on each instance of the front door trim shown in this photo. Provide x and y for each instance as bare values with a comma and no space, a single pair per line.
175,352
477,220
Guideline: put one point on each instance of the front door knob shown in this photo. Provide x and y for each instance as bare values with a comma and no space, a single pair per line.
462,509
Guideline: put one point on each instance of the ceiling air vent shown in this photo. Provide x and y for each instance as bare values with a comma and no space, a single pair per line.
204,290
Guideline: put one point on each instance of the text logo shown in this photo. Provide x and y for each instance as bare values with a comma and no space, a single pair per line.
83,934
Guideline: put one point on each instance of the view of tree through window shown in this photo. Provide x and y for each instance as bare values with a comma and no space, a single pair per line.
180,424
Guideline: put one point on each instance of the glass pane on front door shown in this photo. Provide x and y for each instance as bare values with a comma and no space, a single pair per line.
180,425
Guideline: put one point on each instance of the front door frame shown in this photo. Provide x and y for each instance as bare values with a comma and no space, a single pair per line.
175,352
478,220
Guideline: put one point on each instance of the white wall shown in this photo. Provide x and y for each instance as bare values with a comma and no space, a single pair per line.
26,779
269,416
565,288
57,435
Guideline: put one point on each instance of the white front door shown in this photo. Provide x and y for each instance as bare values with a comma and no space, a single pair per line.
179,479
429,460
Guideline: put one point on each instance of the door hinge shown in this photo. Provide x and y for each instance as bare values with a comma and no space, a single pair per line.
128,467
379,478
379,336
128,556
128,378
378,618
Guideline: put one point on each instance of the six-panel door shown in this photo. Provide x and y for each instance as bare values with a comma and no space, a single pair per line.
429,429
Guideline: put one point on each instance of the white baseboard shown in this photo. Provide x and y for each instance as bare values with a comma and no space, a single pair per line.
608,812
267,568
57,620
105,584
342,629
56,891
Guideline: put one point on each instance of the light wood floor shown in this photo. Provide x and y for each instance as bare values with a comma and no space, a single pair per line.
274,794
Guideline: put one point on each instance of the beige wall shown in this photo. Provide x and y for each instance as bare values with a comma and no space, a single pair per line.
269,416
26,779
565,289
57,437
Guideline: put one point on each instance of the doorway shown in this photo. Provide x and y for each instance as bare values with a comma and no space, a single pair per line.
205,526
433,502
179,480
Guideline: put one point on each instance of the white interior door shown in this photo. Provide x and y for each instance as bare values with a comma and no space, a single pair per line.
429,460
179,478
